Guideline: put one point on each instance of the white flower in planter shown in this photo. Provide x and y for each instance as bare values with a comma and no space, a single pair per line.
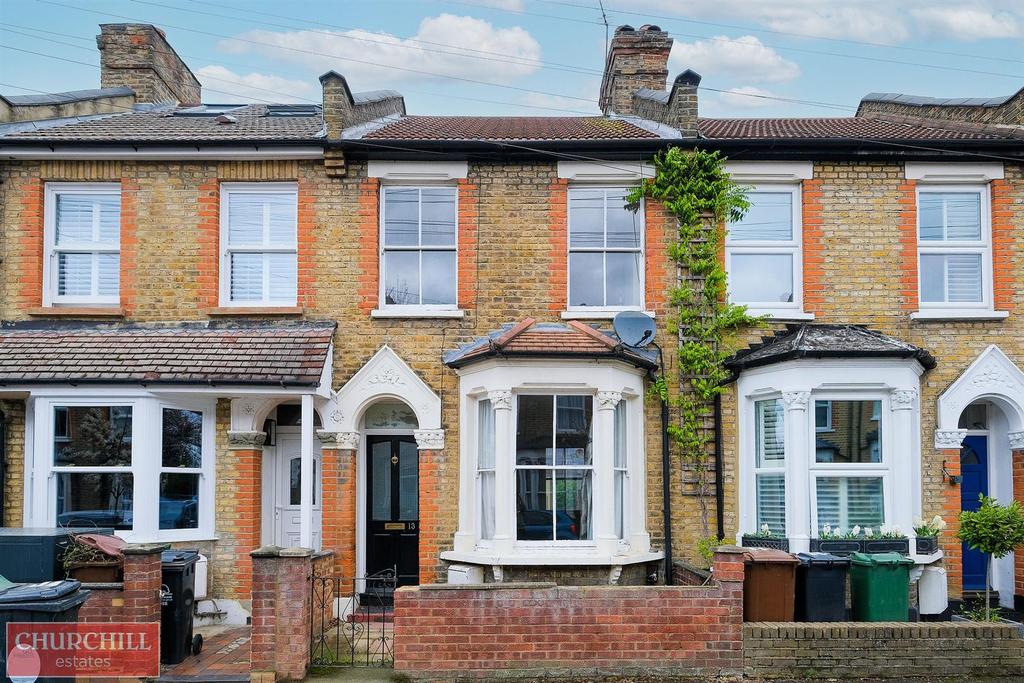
868,532
938,522
766,530
856,529
826,530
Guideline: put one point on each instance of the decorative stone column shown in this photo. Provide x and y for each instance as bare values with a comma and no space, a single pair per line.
798,503
240,509
504,474
902,402
430,443
604,481
947,442
338,503
1017,463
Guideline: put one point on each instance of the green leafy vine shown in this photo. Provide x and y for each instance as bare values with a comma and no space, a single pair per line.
695,187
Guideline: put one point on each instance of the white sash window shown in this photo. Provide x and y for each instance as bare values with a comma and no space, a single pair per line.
83,242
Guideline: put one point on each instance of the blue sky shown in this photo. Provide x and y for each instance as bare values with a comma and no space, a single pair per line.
539,57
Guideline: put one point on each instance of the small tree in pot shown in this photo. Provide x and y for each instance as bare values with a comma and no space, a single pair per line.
995,530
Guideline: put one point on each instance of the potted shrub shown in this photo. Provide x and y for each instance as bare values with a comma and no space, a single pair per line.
89,564
995,530
765,538
928,534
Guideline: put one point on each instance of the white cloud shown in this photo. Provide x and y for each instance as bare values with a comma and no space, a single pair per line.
513,5
223,85
364,56
745,57
968,23
747,97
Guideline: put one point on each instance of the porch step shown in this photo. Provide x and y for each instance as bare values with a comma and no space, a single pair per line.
373,615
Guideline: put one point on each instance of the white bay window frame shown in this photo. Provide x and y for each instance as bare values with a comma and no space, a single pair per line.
798,383
146,462
265,247
501,382
793,247
95,247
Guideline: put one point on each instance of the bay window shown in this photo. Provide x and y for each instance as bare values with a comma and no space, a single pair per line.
606,249
259,238
762,252
954,248
137,464
485,467
83,244
418,247
770,473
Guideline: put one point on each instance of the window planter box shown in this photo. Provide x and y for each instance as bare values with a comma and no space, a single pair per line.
96,572
761,542
846,547
926,545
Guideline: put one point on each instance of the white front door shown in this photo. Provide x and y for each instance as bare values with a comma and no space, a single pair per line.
287,510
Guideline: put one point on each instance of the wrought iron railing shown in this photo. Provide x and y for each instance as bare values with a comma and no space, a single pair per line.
352,621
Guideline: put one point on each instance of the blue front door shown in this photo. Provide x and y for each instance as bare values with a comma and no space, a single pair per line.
974,468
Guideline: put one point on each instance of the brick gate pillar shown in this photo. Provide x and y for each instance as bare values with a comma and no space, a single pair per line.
239,509
1017,462
281,613
338,488
430,443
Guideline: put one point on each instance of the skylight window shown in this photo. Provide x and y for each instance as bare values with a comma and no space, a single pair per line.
291,110
208,110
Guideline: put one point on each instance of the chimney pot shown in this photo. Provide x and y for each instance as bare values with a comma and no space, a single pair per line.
636,59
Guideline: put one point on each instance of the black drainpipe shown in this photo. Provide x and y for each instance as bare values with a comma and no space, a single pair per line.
3,463
666,477
719,484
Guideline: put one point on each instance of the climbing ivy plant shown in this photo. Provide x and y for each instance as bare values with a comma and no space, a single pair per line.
695,187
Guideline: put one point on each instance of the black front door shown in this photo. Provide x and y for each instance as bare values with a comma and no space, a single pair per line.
392,507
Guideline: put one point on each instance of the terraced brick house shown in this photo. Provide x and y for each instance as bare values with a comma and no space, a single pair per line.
387,335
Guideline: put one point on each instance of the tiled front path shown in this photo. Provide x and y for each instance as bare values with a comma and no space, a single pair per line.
225,657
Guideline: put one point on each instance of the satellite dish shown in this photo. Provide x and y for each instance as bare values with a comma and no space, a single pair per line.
634,328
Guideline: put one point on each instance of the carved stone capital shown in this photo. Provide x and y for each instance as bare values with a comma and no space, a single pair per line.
246,441
607,400
1016,440
946,439
903,399
429,439
500,400
342,441
796,400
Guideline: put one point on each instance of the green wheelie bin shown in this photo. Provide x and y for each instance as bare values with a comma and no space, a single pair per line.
880,586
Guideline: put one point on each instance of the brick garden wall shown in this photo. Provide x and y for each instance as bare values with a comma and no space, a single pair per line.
137,599
533,629
882,650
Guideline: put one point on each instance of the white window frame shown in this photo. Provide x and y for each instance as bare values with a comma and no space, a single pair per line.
147,420
881,469
828,421
604,310
50,268
226,249
385,309
775,468
784,310
982,247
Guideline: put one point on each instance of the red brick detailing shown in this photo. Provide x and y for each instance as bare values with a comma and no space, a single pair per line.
245,537
137,599
431,531
339,509
129,244
208,241
683,630
281,613
951,547
908,245
813,248
1004,286
369,237
660,227
306,256
469,224
29,245
558,229
1018,495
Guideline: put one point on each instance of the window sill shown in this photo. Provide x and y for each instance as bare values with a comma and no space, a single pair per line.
598,313
255,310
417,313
549,557
78,311
959,314
780,313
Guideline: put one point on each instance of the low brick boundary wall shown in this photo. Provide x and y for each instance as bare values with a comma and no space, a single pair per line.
927,650
135,600
448,631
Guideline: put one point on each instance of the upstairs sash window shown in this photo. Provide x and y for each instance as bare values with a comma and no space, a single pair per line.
954,251
763,250
418,249
606,249
259,234
84,243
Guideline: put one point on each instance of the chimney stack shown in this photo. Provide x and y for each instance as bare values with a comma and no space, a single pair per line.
138,56
637,58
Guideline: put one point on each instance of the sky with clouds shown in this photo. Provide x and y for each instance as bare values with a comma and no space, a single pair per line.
539,57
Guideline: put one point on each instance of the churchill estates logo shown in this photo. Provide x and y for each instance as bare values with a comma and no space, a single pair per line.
36,650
